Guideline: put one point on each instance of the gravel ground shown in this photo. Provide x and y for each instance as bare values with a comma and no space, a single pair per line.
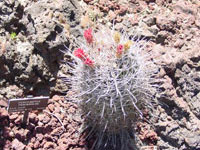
33,31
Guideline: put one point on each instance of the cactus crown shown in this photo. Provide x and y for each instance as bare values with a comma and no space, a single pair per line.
113,81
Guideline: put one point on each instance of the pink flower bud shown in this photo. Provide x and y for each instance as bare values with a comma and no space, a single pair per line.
89,62
80,53
119,50
88,35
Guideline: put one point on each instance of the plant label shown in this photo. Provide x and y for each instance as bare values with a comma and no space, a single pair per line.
27,104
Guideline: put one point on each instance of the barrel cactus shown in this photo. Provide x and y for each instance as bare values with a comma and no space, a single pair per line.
113,81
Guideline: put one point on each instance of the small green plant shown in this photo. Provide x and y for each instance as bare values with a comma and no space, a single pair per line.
13,35
113,81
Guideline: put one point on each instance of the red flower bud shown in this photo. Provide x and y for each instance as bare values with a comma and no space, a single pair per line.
80,53
120,49
88,35
89,62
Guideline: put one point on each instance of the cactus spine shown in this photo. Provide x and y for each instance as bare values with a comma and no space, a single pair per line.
112,79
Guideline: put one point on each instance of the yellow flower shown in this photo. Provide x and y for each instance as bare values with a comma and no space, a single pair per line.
127,45
117,37
102,42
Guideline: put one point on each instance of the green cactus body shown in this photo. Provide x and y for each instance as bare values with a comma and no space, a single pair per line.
113,81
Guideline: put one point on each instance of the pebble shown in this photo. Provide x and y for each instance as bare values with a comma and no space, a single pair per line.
17,145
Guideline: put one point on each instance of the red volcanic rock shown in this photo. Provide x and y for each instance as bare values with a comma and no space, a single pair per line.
57,131
51,107
49,145
28,148
39,137
17,145
13,117
44,118
166,22
87,1
111,15
122,10
3,113
33,118
18,120
57,98
7,144
36,144
3,103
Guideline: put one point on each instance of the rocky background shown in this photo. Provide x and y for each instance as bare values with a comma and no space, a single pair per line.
32,33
